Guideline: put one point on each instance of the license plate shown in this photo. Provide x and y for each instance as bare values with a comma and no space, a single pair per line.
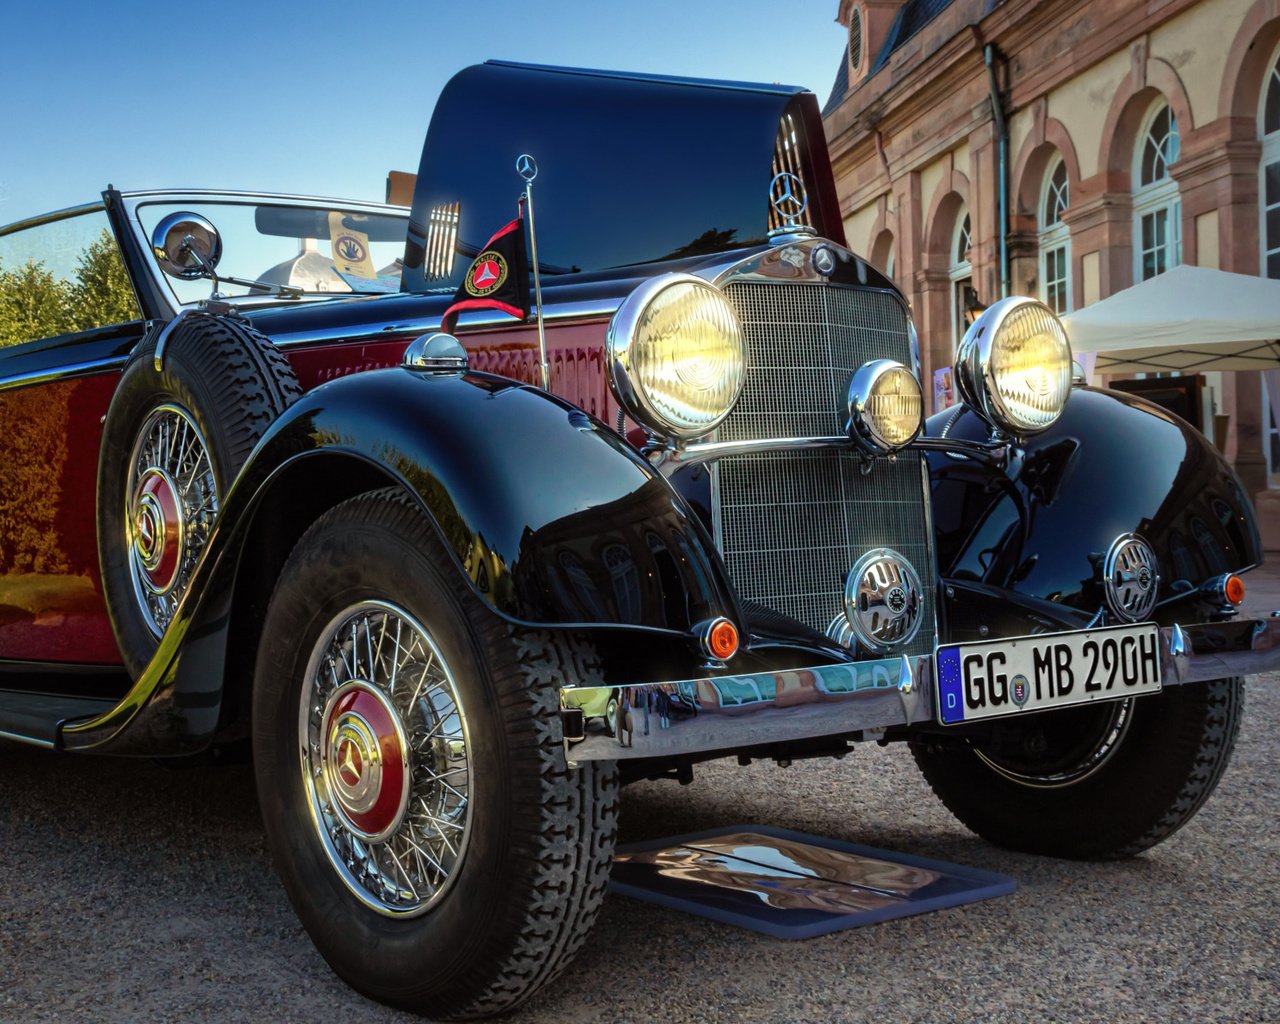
1037,673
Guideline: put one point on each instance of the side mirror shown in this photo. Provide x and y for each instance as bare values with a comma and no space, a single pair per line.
186,246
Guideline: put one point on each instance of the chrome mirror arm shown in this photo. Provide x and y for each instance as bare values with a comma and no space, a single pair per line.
283,291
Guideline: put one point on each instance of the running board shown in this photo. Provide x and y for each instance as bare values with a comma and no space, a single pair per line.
34,718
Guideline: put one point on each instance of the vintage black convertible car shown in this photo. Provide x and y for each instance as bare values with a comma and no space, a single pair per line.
453,588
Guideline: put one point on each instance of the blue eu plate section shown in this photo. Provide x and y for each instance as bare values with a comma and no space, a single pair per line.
791,885
950,685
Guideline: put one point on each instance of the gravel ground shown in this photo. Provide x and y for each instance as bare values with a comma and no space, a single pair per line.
130,892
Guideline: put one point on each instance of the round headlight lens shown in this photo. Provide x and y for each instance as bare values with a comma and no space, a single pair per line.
1014,366
677,358
885,406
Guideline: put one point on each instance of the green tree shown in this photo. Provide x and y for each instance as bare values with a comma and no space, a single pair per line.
102,294
33,304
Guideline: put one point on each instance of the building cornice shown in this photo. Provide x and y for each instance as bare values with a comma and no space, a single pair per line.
907,86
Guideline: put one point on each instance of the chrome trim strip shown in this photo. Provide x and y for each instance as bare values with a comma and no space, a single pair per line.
28,740
51,218
823,700
71,370
282,198
591,309
667,460
841,699
163,340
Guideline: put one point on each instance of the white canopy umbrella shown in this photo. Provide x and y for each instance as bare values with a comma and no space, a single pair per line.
1191,319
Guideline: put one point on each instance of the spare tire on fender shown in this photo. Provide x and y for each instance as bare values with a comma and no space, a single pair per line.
172,443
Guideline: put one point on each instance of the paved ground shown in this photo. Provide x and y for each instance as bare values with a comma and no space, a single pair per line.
129,892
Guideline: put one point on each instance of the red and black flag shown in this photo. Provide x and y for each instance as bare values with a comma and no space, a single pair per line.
498,277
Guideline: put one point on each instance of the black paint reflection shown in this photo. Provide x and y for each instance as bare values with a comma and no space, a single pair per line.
1112,464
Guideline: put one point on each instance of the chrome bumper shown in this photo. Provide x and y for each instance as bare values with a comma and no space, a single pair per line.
728,713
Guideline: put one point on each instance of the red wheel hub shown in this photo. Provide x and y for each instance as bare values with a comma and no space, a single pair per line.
157,530
365,759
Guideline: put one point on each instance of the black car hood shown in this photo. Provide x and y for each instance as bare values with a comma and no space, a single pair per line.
632,169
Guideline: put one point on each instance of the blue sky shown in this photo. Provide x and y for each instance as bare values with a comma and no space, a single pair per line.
324,98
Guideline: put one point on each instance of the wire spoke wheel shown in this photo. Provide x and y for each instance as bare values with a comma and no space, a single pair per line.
385,758
382,684
177,432
172,501
1060,749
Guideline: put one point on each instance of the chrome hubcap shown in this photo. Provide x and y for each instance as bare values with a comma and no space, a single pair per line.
172,502
385,758
366,761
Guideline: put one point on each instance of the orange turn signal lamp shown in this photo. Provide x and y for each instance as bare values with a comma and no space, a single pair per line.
720,639
1227,588
1233,589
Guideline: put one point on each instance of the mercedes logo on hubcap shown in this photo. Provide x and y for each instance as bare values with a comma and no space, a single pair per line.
350,763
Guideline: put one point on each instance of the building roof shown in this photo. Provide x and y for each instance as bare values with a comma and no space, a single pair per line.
912,17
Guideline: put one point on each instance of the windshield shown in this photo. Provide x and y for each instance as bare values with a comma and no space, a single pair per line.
314,249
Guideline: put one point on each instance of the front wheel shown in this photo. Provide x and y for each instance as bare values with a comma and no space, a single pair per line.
1096,782
408,752
173,440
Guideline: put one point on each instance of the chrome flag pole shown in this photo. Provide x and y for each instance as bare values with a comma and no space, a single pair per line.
527,168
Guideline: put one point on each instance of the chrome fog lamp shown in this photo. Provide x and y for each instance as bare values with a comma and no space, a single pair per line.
1014,366
677,357
886,409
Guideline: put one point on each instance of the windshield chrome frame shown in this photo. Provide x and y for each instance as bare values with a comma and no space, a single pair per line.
132,202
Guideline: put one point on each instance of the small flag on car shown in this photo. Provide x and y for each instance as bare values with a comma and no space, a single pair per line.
498,278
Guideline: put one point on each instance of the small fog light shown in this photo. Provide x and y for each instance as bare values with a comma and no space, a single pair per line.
885,407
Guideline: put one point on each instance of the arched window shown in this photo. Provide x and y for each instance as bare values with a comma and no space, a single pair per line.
960,270
1269,236
882,252
1269,185
1157,210
1055,240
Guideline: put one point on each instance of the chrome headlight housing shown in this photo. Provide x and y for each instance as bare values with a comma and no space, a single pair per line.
677,356
1014,366
886,408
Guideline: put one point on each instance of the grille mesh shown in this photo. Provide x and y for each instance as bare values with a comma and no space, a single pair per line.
790,524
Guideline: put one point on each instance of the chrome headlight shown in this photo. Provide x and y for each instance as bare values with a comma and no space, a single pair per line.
677,358
886,410
1014,366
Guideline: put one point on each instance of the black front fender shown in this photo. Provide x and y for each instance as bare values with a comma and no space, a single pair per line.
1037,531
553,519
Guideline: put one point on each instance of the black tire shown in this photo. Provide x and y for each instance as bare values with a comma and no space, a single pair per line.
521,896
229,382
1053,783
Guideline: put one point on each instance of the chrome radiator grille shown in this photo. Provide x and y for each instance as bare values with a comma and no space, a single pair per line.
790,524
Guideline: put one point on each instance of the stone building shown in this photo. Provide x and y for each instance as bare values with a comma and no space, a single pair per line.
1065,149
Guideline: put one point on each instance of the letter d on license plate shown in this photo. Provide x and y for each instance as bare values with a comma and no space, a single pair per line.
1037,673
